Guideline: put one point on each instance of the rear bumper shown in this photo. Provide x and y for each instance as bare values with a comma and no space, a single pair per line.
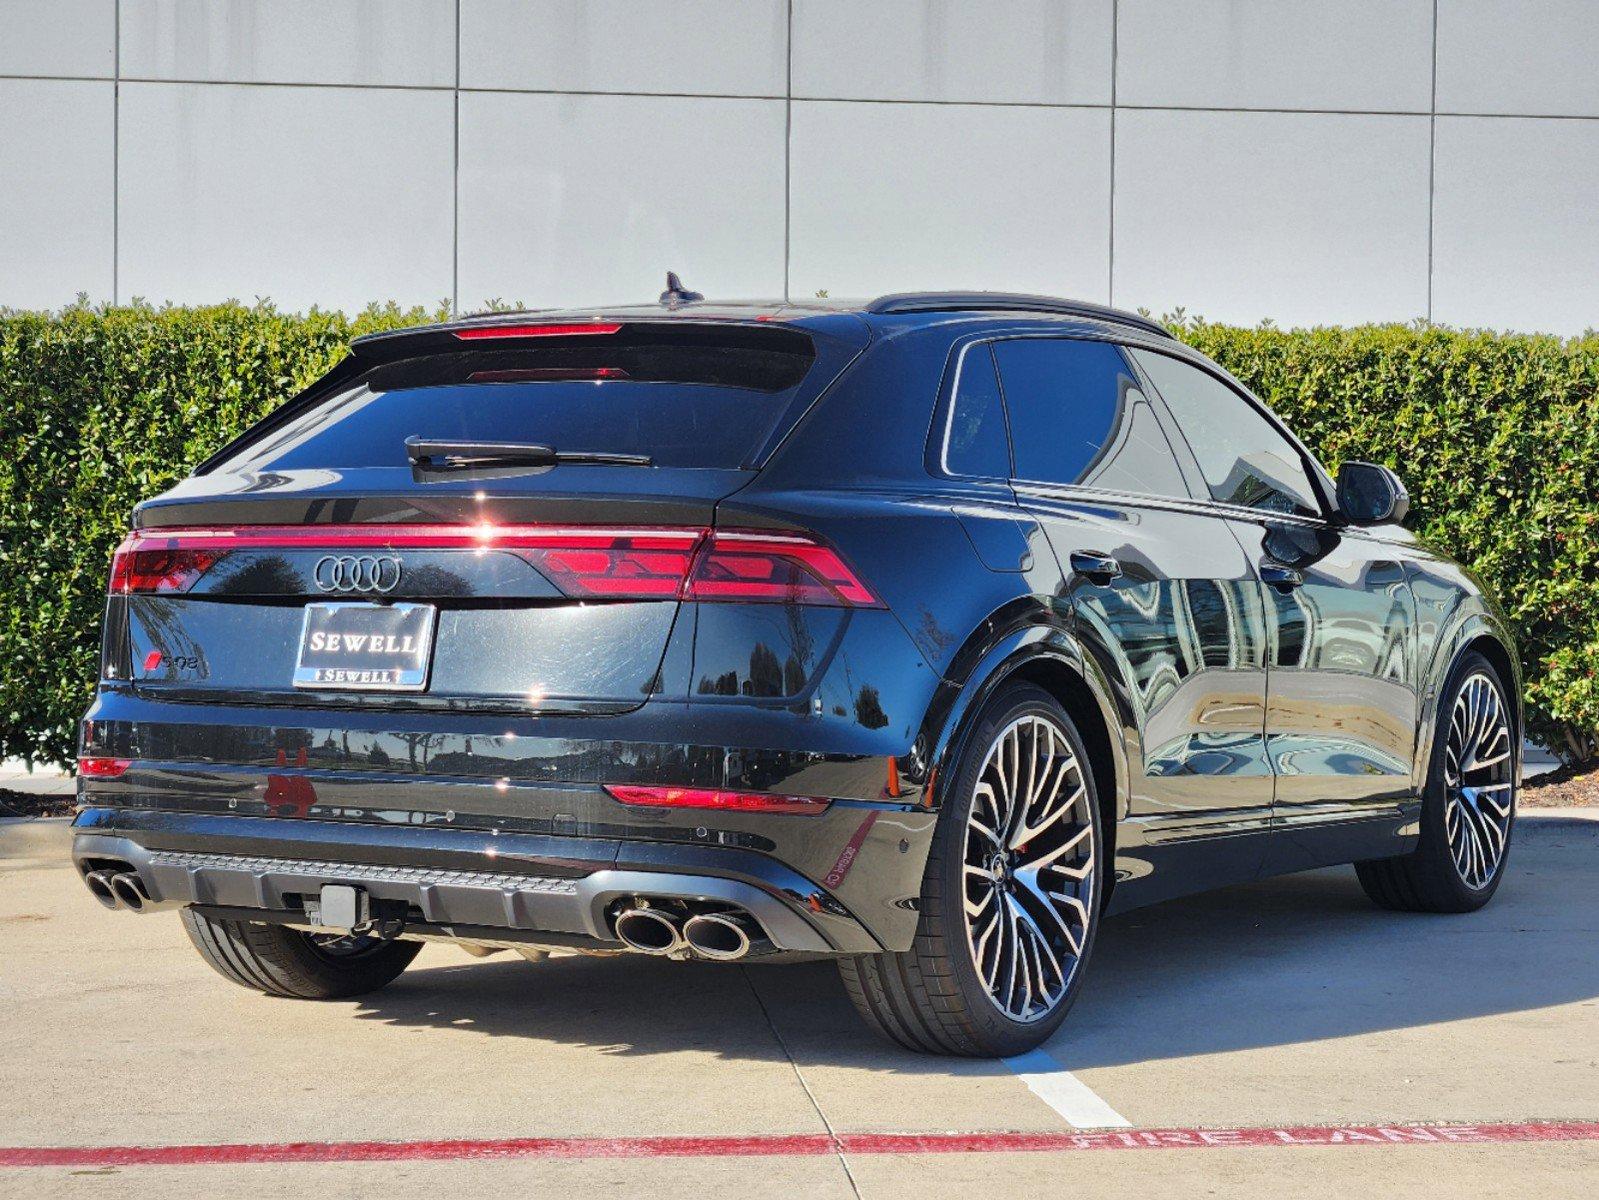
496,795
461,882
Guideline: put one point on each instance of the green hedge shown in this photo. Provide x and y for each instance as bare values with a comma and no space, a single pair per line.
1495,435
100,408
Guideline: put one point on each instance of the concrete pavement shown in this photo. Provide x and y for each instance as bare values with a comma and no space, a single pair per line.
1291,1002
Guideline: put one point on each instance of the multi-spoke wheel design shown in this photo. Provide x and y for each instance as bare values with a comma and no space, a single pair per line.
1468,804
1029,866
1479,780
1009,908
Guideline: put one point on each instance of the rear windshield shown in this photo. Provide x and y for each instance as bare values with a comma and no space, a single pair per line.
683,405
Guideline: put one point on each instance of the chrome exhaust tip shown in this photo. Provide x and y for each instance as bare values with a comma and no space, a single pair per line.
649,931
722,936
99,885
129,891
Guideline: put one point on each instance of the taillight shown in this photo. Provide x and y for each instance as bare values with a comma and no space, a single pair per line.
639,565
103,768
738,566
570,329
733,567
653,796
144,564
780,568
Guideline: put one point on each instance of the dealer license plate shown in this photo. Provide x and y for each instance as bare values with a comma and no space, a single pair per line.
372,647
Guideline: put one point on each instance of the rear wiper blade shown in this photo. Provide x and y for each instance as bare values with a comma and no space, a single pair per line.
431,454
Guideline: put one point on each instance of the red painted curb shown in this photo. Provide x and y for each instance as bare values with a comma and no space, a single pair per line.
795,1145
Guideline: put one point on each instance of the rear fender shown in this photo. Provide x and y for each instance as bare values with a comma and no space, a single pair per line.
1016,642
1454,613
1469,632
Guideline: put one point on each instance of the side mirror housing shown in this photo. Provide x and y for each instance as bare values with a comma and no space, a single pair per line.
1371,494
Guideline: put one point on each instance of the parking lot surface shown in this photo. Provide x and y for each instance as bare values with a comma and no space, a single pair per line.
1282,1035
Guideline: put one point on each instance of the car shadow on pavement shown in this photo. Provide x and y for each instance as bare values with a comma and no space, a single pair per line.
1295,959
1307,957
633,1005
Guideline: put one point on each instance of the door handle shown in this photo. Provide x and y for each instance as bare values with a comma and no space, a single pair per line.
1100,568
1284,579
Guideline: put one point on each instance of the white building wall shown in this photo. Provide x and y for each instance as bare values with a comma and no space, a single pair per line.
1303,160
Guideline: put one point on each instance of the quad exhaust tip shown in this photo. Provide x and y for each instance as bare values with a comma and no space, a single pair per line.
723,936
649,931
99,883
118,889
129,890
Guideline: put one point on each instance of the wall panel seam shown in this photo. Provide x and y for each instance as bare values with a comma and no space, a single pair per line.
1110,265
455,177
116,153
1432,158
788,153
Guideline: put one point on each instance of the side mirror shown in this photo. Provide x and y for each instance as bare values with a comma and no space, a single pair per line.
1369,494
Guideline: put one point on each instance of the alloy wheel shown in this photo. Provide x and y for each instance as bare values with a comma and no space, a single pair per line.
1479,781
1029,868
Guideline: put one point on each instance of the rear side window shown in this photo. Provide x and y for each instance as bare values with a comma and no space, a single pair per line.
702,403
1244,458
1077,416
976,442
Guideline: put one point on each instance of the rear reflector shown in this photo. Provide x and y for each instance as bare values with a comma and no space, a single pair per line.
681,797
492,332
582,561
103,768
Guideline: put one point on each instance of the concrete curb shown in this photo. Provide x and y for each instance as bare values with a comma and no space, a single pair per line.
1575,812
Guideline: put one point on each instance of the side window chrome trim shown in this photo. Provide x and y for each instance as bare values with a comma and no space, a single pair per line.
1262,516
1076,491
948,400
1199,507
948,394
1198,503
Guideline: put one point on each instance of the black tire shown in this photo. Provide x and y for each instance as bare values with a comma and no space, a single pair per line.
932,998
1428,879
281,961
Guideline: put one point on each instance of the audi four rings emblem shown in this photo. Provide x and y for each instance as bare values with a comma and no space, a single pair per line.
357,573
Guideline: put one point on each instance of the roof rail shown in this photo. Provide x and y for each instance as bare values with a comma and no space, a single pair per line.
915,302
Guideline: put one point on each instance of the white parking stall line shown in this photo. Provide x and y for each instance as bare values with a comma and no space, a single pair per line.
1077,1103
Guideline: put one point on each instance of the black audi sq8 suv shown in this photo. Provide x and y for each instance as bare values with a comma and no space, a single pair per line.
920,634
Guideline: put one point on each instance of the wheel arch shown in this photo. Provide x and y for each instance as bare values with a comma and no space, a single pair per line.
1483,637
1048,657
